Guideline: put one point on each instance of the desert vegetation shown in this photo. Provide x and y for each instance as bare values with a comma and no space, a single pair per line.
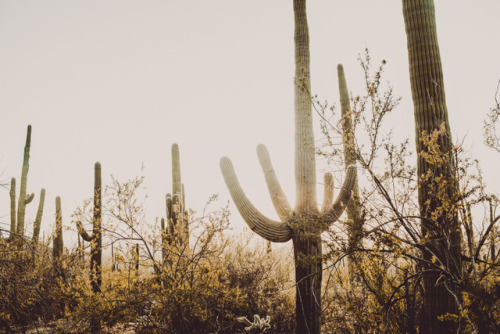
409,244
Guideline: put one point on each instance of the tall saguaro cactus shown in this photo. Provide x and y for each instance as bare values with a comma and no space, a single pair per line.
305,224
96,238
177,229
23,199
440,226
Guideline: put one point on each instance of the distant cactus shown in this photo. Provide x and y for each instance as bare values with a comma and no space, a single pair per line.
57,248
177,229
23,198
96,238
38,220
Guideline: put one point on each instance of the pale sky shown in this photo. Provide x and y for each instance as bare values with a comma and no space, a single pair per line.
120,81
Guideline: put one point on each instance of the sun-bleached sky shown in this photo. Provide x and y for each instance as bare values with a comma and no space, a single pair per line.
120,81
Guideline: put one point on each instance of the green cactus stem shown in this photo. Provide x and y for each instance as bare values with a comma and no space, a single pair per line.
38,219
96,238
23,198
57,248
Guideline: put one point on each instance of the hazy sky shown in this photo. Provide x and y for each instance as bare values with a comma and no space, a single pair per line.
120,81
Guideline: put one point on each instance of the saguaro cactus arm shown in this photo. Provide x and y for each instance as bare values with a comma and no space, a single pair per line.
268,229
85,236
328,196
38,219
278,197
29,198
343,197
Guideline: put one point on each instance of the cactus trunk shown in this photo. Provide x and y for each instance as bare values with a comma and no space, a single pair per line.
308,258
442,230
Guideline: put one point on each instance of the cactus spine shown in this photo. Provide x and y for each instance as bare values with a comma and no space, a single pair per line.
177,230
38,220
304,224
23,198
57,248
96,238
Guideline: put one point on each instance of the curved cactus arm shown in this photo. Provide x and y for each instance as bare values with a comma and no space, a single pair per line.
328,196
343,197
38,219
279,199
29,198
268,229
85,236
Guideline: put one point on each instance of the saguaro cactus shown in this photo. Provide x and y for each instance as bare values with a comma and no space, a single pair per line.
177,229
57,248
305,224
353,208
23,199
38,219
96,238
440,226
